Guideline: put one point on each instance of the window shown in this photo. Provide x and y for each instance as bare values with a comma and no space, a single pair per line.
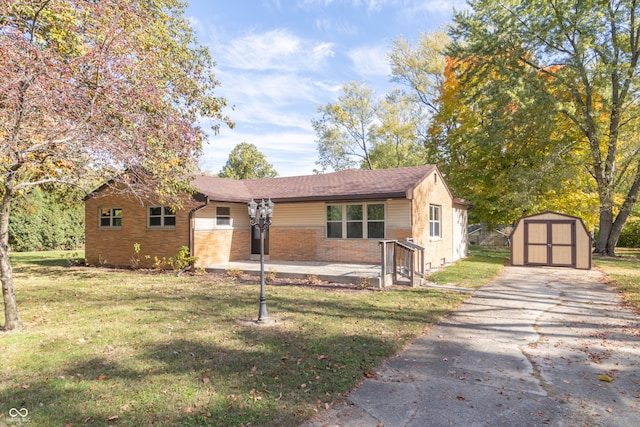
375,221
434,221
110,217
223,216
355,221
162,216
334,222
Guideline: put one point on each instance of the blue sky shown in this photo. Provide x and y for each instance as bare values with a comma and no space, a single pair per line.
278,60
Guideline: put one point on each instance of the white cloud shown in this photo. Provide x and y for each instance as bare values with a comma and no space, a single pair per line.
274,50
370,61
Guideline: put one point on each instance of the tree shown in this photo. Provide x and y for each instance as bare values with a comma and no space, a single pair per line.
493,153
420,67
247,162
398,138
47,219
346,129
582,59
92,89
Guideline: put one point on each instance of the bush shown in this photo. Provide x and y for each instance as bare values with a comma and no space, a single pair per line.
46,220
630,236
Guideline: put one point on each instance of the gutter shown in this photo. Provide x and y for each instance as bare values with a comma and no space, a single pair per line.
192,232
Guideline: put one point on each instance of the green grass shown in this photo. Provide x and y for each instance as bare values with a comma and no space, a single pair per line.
116,347
473,272
624,272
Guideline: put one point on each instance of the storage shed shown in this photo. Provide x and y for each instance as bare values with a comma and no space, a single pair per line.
551,239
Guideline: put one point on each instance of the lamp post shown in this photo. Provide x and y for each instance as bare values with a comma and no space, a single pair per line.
260,215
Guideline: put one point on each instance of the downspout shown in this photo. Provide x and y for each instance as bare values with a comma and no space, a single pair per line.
192,231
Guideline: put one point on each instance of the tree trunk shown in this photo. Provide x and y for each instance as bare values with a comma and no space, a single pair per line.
623,215
11,317
604,228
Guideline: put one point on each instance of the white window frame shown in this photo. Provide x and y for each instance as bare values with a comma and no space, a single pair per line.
365,221
166,212
113,218
435,222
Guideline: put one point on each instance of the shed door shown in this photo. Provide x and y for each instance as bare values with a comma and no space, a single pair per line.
550,242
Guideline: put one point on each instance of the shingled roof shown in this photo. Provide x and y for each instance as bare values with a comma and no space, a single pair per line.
343,185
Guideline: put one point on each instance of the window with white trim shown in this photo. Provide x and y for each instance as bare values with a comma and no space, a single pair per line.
355,221
161,217
110,217
223,216
435,221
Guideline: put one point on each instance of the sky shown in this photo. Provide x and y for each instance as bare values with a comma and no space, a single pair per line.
279,60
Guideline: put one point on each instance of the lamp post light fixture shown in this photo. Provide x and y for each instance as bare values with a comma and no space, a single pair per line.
260,216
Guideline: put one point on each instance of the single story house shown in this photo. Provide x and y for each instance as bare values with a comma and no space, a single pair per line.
333,217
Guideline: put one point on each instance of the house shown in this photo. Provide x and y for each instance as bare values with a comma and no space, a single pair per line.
333,217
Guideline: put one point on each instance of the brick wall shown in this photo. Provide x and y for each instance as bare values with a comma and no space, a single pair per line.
310,244
219,246
115,246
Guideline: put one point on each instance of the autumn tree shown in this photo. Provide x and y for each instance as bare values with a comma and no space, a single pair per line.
399,138
247,162
494,153
91,89
581,59
346,129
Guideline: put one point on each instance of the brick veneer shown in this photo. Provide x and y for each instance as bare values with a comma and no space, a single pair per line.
115,246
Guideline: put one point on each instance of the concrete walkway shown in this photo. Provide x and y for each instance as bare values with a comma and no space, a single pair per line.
536,347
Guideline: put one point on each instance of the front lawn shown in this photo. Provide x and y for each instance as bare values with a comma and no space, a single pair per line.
116,347
623,271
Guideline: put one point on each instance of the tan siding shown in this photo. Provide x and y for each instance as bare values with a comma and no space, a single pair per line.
460,236
398,214
205,218
432,190
299,214
517,244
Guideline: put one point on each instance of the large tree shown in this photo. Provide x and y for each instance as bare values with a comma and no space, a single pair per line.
91,89
581,59
347,129
247,162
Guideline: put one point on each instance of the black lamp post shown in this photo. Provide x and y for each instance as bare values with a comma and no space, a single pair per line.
260,215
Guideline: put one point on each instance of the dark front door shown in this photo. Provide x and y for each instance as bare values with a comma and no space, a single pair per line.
550,242
255,241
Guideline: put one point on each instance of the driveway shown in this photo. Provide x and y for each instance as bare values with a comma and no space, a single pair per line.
536,347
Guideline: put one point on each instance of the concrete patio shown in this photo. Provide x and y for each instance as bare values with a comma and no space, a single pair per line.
330,272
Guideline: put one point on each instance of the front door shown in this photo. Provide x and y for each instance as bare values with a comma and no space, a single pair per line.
549,242
255,241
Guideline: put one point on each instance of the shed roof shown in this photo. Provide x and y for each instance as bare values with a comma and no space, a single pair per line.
343,185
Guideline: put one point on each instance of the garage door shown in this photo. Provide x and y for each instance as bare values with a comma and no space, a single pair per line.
550,242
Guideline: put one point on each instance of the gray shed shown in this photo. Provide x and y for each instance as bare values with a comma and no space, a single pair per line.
551,239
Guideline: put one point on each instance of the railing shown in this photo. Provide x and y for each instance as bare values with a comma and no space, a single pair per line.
404,259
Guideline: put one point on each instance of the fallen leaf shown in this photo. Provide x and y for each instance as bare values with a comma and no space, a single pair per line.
102,377
605,378
460,398
25,386
610,409
322,356
112,418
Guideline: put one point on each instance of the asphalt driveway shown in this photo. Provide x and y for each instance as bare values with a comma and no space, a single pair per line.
536,347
